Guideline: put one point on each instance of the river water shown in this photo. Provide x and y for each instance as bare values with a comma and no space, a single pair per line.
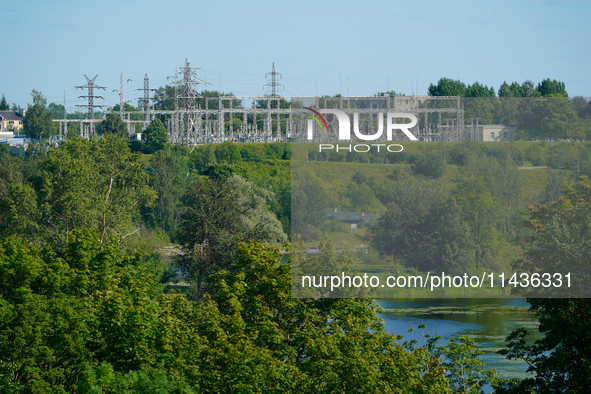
487,321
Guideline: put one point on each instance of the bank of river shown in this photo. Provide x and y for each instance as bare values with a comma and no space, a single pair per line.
487,321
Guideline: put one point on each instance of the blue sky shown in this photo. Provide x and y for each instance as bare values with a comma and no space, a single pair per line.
351,47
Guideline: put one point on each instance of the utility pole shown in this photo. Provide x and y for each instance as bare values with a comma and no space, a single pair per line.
90,86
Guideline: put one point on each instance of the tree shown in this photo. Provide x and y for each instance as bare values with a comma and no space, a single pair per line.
96,184
217,213
447,87
91,318
308,204
37,122
560,243
169,178
478,90
154,136
62,312
227,152
513,90
551,88
481,211
555,118
305,345
4,106
430,165
421,226
114,125
57,111
561,360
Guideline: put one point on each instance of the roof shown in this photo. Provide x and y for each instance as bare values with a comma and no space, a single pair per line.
10,115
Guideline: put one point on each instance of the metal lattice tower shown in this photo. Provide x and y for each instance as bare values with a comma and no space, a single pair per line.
90,86
64,129
121,95
146,99
188,118
273,84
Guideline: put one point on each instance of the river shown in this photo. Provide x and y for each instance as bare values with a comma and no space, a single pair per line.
487,321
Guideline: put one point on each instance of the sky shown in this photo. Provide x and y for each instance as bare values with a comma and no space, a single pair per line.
355,48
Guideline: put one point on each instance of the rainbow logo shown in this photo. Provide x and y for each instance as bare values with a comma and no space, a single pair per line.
317,117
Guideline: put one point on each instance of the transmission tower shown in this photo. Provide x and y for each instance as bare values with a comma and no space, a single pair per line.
273,84
189,97
90,86
121,95
146,99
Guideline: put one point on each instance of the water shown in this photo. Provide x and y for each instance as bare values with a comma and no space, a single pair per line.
487,321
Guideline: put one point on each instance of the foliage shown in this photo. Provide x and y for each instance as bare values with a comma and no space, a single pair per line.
4,106
430,165
96,184
447,87
58,111
561,360
526,89
308,204
551,88
227,152
561,240
37,121
57,312
217,212
154,136
169,174
465,372
114,125
423,227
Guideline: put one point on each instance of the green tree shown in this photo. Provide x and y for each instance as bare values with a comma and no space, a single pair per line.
513,90
169,178
114,125
447,87
37,121
481,211
202,158
4,106
479,90
304,345
154,136
57,110
555,118
465,372
227,152
561,360
309,201
560,243
551,88
421,226
62,312
430,165
96,184
217,213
